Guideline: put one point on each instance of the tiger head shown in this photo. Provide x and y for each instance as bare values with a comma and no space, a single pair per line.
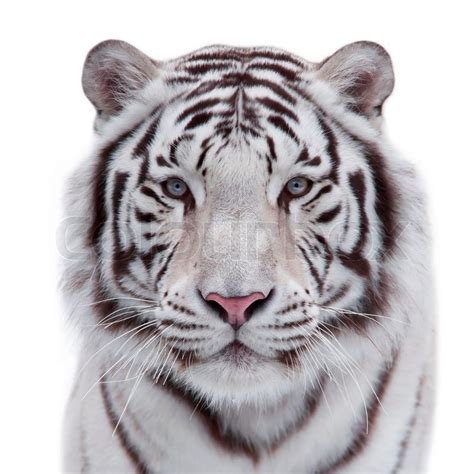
238,213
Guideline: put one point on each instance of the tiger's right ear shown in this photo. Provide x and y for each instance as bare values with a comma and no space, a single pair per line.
113,73
362,73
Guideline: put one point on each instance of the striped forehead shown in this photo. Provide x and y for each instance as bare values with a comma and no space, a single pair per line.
221,100
247,107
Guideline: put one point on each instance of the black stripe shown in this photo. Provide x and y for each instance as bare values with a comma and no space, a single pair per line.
276,56
269,164
181,80
201,69
303,156
328,216
357,263
130,449
230,55
150,193
385,190
288,74
198,120
161,161
358,187
271,148
164,267
411,425
226,439
198,107
202,156
144,170
145,217
323,190
174,146
120,183
361,435
277,107
148,257
340,293
99,185
142,146
312,269
331,149
316,161
278,122
250,81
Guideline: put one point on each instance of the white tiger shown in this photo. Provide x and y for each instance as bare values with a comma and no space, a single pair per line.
249,269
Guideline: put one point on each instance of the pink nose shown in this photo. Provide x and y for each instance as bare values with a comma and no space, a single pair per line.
235,307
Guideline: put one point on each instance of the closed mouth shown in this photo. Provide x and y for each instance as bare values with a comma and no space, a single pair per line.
238,353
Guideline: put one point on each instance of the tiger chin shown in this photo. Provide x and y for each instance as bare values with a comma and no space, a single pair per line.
247,268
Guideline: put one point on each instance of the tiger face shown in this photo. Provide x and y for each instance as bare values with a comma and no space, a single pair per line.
239,213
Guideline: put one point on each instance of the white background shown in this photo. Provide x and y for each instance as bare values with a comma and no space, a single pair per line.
46,130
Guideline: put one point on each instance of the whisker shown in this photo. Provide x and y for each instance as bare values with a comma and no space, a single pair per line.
143,300
368,315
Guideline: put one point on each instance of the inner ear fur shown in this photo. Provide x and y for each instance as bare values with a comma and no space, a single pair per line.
362,73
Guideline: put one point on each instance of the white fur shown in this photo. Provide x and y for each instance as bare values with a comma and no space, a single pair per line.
259,400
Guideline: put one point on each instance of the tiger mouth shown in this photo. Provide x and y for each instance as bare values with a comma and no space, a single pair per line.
238,353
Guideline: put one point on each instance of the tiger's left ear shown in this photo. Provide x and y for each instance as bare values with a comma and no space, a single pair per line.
362,73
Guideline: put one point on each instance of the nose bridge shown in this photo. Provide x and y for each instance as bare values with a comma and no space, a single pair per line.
236,253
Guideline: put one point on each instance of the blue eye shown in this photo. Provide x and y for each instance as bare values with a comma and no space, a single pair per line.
175,187
298,186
